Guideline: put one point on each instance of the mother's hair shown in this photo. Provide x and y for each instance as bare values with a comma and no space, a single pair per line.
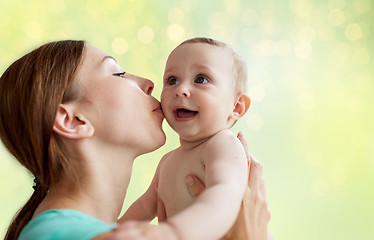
31,90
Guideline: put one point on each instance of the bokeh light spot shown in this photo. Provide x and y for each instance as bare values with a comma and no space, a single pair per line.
303,50
303,19
336,17
362,6
307,34
340,4
130,20
326,33
283,48
111,4
176,15
145,34
231,6
266,48
120,45
270,26
175,32
249,17
56,6
361,56
218,31
94,8
248,35
255,122
342,51
256,93
301,6
353,32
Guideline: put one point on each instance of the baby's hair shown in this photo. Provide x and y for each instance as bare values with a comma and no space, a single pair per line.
240,66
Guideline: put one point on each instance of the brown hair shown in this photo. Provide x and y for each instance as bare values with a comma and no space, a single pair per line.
31,90
240,67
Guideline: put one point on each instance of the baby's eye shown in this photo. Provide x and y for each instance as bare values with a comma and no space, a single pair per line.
122,74
201,79
172,81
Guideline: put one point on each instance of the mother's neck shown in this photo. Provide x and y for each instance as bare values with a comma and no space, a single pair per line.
103,179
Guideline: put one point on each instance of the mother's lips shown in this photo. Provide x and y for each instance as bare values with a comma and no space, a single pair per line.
159,110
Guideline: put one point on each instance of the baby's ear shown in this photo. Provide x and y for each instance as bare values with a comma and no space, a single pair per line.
241,106
71,125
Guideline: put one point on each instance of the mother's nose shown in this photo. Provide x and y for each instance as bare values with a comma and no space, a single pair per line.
146,85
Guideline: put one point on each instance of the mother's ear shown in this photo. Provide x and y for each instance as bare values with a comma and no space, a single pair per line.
241,106
71,125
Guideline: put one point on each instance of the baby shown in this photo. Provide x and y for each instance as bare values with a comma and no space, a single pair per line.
202,98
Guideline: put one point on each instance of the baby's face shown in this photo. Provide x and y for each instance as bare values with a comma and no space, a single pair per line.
198,96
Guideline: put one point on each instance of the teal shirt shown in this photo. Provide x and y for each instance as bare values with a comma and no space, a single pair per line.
64,224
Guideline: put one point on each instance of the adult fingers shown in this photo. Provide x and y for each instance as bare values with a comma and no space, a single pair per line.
195,185
244,142
258,186
255,174
263,188
261,183
161,212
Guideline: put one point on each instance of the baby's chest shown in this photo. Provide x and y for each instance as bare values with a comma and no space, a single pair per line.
172,187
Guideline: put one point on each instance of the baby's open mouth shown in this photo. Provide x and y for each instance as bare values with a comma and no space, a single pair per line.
184,113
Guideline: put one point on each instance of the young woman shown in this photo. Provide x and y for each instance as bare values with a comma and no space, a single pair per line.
76,120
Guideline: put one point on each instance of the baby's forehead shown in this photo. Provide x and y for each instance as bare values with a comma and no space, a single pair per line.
204,45
203,50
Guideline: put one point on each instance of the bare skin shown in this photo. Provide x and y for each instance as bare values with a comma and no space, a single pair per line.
251,223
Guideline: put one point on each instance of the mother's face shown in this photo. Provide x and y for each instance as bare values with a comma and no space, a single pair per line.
119,106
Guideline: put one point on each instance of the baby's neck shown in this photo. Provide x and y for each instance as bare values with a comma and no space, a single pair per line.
189,144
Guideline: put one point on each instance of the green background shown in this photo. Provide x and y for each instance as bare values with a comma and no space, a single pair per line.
311,83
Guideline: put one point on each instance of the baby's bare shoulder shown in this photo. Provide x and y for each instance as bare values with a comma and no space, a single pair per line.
171,158
222,144
223,137
168,155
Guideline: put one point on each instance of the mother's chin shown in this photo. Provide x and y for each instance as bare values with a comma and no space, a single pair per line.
153,142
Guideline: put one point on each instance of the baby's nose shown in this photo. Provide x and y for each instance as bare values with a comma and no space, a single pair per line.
182,91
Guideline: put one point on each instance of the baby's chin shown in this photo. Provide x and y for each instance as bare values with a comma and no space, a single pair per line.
194,137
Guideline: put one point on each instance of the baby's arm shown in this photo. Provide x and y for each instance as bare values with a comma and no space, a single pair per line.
226,174
145,207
